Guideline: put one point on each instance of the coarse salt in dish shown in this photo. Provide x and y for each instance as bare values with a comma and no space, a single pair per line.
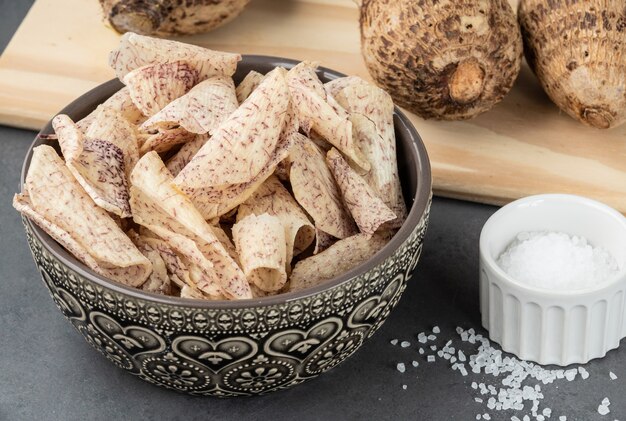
557,261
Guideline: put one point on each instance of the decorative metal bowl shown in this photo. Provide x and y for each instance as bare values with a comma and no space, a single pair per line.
246,347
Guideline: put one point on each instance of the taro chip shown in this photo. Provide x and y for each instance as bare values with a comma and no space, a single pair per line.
97,164
367,209
55,201
240,151
274,199
371,113
181,158
119,101
260,242
153,86
159,281
137,50
323,240
249,83
337,259
315,189
200,110
315,112
163,139
159,206
110,125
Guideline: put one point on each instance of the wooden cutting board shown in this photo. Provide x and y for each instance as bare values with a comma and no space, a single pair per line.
523,146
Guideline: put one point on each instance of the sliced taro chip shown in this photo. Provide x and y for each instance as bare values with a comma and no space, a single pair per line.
337,259
163,139
274,199
137,50
97,164
249,83
260,242
258,292
319,141
176,268
282,170
109,124
119,101
199,111
159,281
367,209
323,240
223,238
220,200
188,291
244,143
153,86
315,189
54,200
181,158
158,205
242,152
318,111
371,113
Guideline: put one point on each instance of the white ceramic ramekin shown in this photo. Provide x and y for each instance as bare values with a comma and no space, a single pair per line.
546,326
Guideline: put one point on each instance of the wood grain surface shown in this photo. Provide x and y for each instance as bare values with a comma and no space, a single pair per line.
523,146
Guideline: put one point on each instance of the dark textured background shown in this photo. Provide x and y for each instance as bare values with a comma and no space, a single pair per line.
47,371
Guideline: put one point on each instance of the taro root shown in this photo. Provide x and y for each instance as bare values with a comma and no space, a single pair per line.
170,17
449,60
577,50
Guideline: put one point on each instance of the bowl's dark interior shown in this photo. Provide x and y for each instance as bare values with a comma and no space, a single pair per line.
413,165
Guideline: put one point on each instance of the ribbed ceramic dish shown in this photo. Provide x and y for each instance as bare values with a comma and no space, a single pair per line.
549,326
247,347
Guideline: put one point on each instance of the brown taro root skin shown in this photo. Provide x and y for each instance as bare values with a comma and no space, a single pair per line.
449,60
577,50
170,17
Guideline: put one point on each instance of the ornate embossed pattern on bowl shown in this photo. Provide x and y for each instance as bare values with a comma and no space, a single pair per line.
236,348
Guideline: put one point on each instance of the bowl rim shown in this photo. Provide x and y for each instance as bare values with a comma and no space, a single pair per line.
422,197
530,201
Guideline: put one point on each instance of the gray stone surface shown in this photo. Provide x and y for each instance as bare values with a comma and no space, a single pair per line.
47,371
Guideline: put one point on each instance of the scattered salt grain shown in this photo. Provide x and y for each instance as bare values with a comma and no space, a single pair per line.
430,358
393,342
421,338
606,402
405,344
583,373
479,417
612,376
562,418
404,386
421,351
514,418
415,363
474,385
486,416
570,374
462,356
436,329
431,337
555,260
433,347
479,400
401,367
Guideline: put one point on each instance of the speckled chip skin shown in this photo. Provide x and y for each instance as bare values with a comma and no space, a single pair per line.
262,248
98,165
240,151
367,209
137,50
315,189
335,260
274,199
371,114
55,201
159,206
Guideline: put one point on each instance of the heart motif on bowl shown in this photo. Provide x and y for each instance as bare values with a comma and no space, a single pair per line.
214,355
298,344
135,340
